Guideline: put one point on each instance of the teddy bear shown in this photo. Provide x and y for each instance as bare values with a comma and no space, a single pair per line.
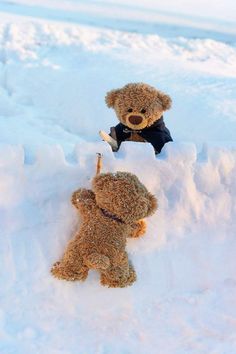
110,213
139,108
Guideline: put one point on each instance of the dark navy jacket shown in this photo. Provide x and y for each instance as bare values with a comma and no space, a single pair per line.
157,134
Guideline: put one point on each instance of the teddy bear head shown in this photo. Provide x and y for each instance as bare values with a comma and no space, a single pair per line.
123,195
138,105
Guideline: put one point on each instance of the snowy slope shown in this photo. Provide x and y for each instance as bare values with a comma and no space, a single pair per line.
169,18
71,61
57,61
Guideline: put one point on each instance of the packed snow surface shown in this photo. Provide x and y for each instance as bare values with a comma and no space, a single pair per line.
57,61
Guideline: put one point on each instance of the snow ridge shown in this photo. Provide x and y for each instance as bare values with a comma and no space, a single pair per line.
181,256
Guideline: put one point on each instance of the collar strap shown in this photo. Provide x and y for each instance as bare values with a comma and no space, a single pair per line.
127,130
108,214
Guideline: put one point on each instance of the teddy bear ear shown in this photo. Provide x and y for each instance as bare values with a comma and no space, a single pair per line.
111,97
152,204
165,101
100,180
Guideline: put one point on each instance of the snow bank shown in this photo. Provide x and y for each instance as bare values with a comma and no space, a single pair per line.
54,77
182,258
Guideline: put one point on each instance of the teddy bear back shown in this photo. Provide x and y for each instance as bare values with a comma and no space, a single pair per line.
101,233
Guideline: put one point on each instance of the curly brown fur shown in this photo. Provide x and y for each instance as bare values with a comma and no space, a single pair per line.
145,101
110,214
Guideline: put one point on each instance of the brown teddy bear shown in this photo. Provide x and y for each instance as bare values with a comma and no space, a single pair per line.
139,108
110,213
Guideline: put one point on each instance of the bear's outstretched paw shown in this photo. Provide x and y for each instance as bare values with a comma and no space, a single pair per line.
138,229
109,139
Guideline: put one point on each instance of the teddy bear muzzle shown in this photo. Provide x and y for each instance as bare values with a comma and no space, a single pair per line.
136,121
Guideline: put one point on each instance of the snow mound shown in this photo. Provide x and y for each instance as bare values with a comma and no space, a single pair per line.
182,257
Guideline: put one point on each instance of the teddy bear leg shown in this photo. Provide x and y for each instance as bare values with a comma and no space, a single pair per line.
64,271
119,275
97,261
138,228
71,267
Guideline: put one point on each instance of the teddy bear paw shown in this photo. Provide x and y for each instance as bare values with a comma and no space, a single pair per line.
139,229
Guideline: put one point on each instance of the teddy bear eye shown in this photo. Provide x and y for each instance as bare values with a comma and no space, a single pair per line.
143,110
130,110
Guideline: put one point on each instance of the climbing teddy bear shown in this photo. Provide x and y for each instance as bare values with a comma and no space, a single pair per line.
110,213
139,108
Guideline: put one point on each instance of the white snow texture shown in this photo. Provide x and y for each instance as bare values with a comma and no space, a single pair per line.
57,61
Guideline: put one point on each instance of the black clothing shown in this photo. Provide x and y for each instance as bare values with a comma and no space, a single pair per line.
157,134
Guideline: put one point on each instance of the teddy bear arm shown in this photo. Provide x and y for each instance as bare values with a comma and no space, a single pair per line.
137,229
157,138
119,134
83,199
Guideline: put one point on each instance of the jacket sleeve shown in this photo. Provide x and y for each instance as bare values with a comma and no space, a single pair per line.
118,134
157,138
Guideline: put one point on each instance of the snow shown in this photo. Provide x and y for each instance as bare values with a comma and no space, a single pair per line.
57,61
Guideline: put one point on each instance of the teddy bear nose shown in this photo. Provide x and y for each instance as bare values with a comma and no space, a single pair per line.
135,119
